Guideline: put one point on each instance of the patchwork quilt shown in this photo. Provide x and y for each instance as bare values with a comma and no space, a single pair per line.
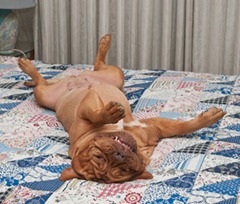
203,167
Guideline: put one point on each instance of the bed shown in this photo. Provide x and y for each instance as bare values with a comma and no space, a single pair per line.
203,167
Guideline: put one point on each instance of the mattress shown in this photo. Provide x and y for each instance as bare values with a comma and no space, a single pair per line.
202,167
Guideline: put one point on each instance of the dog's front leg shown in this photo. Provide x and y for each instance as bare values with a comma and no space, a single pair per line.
94,110
164,127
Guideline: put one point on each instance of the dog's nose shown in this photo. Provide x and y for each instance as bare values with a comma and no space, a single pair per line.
119,156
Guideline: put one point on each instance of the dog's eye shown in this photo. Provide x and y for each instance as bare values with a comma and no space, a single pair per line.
124,169
114,137
99,157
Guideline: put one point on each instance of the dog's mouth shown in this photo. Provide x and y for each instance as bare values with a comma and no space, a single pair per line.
123,138
126,140
127,144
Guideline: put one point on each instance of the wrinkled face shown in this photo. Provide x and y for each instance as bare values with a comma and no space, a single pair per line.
110,158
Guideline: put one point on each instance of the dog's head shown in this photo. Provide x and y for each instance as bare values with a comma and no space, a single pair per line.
108,158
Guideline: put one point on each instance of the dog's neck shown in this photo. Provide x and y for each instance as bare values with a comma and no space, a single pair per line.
121,125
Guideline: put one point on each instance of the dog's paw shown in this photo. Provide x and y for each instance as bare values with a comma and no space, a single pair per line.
210,116
113,112
26,65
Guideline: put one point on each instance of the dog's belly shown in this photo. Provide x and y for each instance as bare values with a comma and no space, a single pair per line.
84,80
68,104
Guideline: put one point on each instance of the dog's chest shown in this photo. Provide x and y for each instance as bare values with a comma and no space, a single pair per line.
134,124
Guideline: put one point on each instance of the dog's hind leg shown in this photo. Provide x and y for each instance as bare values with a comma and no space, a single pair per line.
28,68
109,73
46,95
49,82
103,47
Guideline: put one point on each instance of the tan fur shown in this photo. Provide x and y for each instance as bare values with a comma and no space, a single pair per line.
91,108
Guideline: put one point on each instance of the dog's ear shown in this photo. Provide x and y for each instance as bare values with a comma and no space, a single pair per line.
144,175
68,174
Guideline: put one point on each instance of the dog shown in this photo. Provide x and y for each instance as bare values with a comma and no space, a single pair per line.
107,144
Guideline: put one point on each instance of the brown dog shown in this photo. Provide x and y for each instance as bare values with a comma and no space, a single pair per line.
106,143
